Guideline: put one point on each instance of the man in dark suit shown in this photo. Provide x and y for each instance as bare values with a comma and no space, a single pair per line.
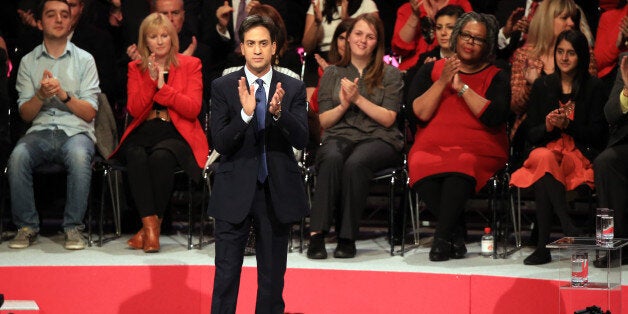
221,19
258,115
611,166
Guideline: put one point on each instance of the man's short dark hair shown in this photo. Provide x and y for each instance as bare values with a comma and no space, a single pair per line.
258,20
40,8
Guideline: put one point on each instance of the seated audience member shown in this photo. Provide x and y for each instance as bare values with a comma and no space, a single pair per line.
321,20
99,44
5,141
58,87
285,60
566,129
611,166
611,39
414,28
336,52
536,57
514,17
461,103
359,99
188,44
165,92
445,19
220,19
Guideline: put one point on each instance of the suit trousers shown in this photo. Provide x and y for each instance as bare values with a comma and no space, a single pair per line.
344,172
611,180
271,254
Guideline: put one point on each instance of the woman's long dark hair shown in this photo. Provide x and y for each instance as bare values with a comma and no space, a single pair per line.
581,46
334,55
330,7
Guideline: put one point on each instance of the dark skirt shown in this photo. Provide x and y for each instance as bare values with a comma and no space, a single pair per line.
157,134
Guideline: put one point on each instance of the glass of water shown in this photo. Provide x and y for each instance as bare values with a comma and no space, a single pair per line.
579,269
604,227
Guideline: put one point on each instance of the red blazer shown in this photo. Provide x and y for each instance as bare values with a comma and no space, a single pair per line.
182,95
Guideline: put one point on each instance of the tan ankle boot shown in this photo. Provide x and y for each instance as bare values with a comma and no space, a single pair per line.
137,241
152,228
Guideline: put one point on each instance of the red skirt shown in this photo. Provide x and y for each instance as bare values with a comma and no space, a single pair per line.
561,159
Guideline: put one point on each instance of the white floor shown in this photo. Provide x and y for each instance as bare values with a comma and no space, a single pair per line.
372,255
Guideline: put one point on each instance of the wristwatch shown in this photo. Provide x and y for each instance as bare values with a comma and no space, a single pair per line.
65,101
464,88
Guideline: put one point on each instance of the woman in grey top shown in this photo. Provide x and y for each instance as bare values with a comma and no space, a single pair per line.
359,99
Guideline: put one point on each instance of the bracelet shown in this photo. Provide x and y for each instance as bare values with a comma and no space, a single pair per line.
464,88
39,97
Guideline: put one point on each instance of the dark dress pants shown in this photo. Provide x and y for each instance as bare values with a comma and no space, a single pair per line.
611,184
271,254
344,172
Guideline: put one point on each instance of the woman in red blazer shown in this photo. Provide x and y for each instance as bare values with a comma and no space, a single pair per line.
164,98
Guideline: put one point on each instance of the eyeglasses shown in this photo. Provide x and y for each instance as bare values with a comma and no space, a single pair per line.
472,39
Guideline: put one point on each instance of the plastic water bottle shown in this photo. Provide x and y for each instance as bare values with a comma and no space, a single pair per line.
487,243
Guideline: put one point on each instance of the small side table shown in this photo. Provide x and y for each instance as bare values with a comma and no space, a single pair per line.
604,284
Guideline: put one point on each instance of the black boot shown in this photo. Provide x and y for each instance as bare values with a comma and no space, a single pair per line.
316,248
441,250
345,248
458,247
540,256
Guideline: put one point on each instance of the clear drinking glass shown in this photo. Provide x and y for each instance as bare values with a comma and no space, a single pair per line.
604,227
579,269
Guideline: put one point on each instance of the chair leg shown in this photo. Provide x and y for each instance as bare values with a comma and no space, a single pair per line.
391,218
190,220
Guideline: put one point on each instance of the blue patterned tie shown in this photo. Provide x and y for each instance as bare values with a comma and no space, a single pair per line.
260,113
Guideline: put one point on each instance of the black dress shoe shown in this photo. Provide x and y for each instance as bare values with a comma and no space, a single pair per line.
345,249
316,248
458,248
440,251
538,257
602,261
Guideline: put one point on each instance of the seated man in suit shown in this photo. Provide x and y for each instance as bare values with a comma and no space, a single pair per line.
611,166
58,88
258,115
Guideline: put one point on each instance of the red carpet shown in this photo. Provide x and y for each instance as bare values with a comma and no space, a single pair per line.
187,289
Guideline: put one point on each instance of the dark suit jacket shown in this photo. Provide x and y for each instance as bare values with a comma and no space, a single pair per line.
618,121
588,129
236,141
223,50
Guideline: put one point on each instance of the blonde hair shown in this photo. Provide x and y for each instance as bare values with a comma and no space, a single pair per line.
154,22
541,30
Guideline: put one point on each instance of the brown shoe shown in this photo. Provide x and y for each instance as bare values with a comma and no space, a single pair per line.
152,228
137,241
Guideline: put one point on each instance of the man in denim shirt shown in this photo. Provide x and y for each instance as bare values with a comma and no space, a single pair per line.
58,86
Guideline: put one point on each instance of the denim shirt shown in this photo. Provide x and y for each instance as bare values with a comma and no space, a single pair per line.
76,71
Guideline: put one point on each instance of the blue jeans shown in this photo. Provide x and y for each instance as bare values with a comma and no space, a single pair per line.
46,147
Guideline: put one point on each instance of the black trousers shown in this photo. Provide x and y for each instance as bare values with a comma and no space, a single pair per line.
271,253
344,172
446,196
611,183
151,179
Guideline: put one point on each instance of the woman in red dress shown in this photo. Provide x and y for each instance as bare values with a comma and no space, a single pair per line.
567,129
462,103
